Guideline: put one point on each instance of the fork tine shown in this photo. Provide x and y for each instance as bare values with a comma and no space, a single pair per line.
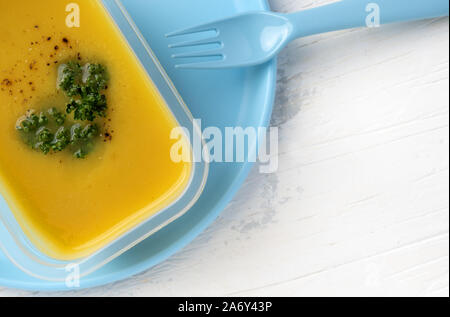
196,29
213,40
202,65
207,53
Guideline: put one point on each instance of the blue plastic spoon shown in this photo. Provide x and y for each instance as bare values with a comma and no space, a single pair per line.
254,38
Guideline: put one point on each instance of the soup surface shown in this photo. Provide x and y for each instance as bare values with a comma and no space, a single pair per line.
71,207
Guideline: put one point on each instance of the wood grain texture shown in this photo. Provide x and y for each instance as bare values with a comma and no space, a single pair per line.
360,204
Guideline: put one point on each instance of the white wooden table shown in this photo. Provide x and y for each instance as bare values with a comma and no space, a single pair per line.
360,204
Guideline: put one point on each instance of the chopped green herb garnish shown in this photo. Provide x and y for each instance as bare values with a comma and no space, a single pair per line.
75,133
91,105
44,135
61,141
95,77
43,120
89,132
43,147
70,76
84,85
51,130
31,123
27,125
57,116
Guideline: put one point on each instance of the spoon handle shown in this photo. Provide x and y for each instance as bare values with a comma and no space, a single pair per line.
359,13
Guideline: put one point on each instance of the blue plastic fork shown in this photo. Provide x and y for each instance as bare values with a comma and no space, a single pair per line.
256,37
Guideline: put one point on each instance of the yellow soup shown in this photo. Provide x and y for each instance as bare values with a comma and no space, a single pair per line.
71,207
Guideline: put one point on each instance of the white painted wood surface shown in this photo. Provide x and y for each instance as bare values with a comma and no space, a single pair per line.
360,204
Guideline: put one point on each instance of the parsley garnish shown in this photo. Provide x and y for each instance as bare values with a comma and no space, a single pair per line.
84,85
50,130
